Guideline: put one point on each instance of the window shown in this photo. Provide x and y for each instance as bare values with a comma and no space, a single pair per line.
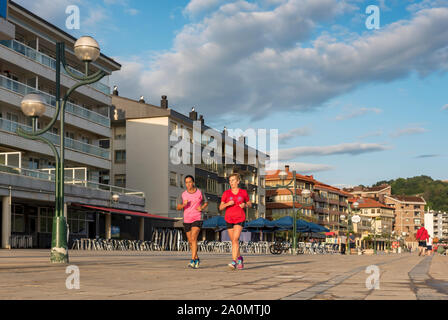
77,223
12,117
104,143
120,180
173,179
120,156
181,180
18,219
46,219
172,203
33,164
85,140
70,135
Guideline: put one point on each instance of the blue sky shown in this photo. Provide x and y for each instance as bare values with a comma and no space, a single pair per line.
360,105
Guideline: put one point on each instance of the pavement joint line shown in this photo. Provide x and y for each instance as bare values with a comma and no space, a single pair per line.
322,287
421,280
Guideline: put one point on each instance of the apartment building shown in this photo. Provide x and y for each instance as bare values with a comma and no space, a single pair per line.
378,193
279,202
409,215
27,64
436,222
376,217
325,206
329,204
144,144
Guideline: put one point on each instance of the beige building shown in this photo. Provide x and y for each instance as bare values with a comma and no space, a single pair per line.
376,217
409,215
143,145
378,193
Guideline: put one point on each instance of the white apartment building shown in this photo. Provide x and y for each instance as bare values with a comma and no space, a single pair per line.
141,150
28,65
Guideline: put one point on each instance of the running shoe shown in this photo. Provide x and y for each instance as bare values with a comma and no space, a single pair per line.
240,263
232,265
192,263
196,263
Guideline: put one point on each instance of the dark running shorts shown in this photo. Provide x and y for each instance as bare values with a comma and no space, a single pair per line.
429,247
188,226
230,225
422,243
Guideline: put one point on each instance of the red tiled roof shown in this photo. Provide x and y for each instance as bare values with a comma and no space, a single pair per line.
274,175
408,198
369,203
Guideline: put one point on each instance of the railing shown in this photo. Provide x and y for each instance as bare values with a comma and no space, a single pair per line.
42,175
321,210
10,126
50,100
41,58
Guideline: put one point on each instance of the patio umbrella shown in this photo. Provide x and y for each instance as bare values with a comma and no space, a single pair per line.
216,222
317,228
286,223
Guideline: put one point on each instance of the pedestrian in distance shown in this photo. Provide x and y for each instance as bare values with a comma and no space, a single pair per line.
234,201
429,243
422,236
192,201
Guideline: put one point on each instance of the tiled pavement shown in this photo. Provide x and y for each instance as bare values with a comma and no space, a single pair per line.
27,274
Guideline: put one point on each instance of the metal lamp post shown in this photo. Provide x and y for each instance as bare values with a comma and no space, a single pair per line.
33,105
305,194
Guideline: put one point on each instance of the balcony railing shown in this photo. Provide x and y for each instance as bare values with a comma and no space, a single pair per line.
10,126
42,175
41,58
50,100
321,210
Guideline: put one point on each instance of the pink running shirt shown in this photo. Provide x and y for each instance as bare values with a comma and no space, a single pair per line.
191,213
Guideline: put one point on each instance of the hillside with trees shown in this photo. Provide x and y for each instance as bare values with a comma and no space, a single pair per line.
435,192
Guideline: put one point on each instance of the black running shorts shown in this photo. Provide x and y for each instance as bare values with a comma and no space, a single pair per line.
188,226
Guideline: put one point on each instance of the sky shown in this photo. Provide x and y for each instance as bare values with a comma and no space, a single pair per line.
352,105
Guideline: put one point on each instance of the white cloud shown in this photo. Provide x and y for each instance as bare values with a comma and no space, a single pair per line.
303,168
445,107
371,134
408,131
252,62
196,7
297,132
357,113
345,148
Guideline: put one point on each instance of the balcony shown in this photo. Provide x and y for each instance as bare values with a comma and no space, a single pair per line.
343,204
321,210
50,100
43,175
11,127
318,198
45,60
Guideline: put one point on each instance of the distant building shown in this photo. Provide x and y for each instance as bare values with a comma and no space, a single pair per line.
378,193
409,215
141,150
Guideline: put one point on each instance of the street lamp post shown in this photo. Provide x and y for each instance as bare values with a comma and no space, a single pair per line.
305,194
33,105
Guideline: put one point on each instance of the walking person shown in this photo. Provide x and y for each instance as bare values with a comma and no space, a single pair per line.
429,243
234,201
192,201
422,236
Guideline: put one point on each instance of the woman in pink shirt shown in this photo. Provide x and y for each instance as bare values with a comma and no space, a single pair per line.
193,203
235,200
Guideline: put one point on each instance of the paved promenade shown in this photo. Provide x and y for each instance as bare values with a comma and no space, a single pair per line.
27,274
